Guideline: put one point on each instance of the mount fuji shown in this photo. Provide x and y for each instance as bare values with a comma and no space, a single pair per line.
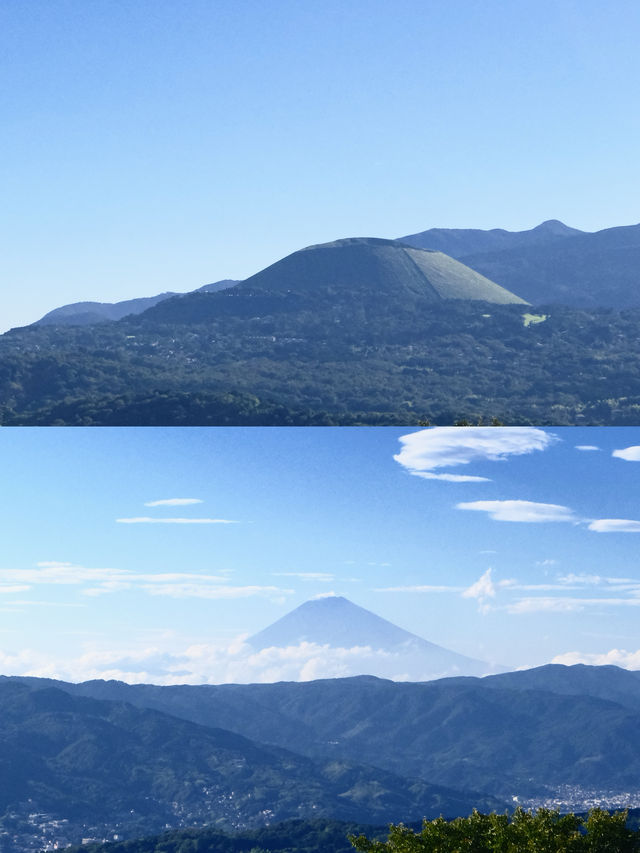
361,643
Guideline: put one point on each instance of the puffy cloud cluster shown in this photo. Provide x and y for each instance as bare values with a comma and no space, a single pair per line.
236,662
614,657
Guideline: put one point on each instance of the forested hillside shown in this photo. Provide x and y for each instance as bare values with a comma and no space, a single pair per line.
239,357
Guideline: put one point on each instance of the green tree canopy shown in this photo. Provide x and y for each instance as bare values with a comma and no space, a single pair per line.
543,831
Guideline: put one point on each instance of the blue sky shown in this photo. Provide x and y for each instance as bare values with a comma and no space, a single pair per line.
147,554
155,146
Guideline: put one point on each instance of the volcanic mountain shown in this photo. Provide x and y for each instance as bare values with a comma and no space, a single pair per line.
370,274
378,647
383,266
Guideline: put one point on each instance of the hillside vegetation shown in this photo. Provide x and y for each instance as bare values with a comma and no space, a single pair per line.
240,357
352,332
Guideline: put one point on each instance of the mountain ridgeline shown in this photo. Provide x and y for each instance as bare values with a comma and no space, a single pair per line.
359,331
137,758
550,264
89,313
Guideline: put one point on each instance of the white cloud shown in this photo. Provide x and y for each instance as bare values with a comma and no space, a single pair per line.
615,525
586,447
67,573
307,576
451,478
545,605
524,511
196,590
234,662
481,590
565,604
97,582
174,502
582,579
629,454
420,588
614,657
149,520
426,451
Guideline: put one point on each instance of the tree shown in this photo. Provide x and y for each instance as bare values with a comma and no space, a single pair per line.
543,831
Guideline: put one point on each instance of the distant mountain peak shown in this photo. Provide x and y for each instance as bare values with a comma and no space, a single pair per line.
556,227
338,623
465,244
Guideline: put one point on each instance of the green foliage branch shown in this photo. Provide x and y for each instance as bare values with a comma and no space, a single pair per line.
542,831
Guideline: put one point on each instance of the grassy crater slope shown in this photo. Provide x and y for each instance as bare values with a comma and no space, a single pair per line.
384,267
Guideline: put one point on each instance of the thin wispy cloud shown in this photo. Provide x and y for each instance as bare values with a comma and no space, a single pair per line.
307,576
420,588
629,454
195,590
586,447
521,511
566,604
110,581
615,525
424,453
174,502
451,478
153,520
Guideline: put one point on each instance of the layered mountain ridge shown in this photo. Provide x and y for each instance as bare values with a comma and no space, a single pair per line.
550,264
382,748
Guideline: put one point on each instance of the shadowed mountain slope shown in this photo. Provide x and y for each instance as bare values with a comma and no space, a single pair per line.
602,682
583,271
452,732
88,760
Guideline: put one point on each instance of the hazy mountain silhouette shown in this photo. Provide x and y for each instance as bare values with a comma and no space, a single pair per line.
551,263
336,622
583,271
497,734
461,242
93,761
88,313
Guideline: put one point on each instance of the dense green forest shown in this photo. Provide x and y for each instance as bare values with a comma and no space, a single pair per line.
242,357
543,831
293,836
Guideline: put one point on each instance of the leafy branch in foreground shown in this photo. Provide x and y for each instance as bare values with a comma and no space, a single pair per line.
543,831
